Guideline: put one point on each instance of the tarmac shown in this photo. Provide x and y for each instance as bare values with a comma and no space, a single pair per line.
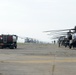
38,59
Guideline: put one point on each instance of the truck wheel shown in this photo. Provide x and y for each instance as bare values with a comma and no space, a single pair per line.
11,47
15,46
1,47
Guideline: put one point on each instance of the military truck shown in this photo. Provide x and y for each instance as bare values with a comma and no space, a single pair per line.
8,41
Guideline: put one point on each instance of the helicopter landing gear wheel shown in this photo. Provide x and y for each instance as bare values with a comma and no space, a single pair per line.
70,46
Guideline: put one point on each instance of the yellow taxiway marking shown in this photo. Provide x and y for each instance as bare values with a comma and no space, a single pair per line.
25,56
39,61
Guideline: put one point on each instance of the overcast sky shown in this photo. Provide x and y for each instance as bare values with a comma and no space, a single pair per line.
29,18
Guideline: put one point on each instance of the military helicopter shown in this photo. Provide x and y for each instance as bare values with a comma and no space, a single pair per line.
62,38
70,40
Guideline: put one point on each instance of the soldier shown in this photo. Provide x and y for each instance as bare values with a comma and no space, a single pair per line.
54,41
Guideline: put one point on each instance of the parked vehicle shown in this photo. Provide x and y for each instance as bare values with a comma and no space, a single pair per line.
9,41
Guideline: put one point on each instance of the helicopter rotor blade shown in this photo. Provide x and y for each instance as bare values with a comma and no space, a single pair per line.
58,30
61,30
54,33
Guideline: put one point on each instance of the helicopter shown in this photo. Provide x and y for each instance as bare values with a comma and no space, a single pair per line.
62,39
70,40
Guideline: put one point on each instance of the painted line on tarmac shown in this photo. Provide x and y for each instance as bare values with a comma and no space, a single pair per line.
39,61
26,56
